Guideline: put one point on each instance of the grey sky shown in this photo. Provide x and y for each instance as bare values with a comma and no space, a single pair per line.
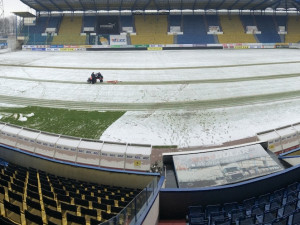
14,6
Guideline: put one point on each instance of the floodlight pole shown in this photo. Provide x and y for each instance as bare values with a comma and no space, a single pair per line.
2,28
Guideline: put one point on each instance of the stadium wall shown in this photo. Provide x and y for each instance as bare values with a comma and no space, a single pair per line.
175,202
68,48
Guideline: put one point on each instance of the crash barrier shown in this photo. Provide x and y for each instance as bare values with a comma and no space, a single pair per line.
282,139
68,48
123,156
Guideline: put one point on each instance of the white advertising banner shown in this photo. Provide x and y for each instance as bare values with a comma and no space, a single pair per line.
118,40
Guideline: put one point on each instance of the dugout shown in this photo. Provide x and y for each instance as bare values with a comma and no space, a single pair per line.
26,139
113,155
46,144
89,152
138,157
66,148
9,134
273,140
289,137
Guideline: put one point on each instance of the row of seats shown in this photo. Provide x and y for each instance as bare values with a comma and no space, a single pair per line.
69,32
280,207
30,196
152,29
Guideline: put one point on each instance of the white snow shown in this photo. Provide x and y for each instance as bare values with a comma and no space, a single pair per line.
29,115
22,118
164,127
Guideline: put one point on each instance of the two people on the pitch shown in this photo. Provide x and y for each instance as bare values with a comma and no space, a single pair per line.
96,76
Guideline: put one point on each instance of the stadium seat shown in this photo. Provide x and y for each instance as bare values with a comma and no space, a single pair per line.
50,203
94,222
12,212
281,221
53,216
32,219
5,221
88,213
34,207
224,222
288,209
236,214
212,209
269,216
2,193
16,199
71,209
75,220
228,207
296,217
247,221
275,204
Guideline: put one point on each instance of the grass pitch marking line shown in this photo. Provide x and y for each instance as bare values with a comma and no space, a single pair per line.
149,68
225,80
199,104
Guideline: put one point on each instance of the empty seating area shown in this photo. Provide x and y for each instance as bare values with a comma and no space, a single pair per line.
89,21
269,31
194,31
280,207
234,31
69,31
30,196
34,33
151,30
293,30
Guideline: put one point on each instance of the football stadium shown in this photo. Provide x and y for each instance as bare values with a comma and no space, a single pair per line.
151,112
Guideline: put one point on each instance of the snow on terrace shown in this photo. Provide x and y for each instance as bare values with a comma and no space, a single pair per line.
182,127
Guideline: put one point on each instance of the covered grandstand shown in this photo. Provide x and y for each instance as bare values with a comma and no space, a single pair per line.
48,178
160,22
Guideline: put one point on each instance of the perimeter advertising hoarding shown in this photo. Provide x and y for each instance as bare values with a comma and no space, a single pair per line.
118,40
223,167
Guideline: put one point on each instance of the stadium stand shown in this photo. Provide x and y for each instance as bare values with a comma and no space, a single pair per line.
293,30
212,20
247,20
54,21
194,31
282,204
69,31
234,31
151,30
31,200
34,33
269,31
175,20
89,21
126,21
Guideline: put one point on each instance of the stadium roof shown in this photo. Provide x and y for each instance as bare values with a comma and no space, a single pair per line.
24,14
132,5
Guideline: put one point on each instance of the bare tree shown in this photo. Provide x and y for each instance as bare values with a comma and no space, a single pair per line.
8,25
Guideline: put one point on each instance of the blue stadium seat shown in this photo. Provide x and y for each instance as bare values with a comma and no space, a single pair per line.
194,31
266,25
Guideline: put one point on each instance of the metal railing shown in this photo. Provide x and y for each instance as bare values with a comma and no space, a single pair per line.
135,209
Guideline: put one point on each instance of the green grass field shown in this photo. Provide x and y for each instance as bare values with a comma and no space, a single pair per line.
62,121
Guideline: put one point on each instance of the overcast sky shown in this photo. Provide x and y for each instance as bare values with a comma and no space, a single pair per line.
14,6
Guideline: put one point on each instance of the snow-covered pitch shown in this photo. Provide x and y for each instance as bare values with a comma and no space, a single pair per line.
183,97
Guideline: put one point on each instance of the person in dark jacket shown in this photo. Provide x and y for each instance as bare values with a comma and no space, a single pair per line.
93,78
